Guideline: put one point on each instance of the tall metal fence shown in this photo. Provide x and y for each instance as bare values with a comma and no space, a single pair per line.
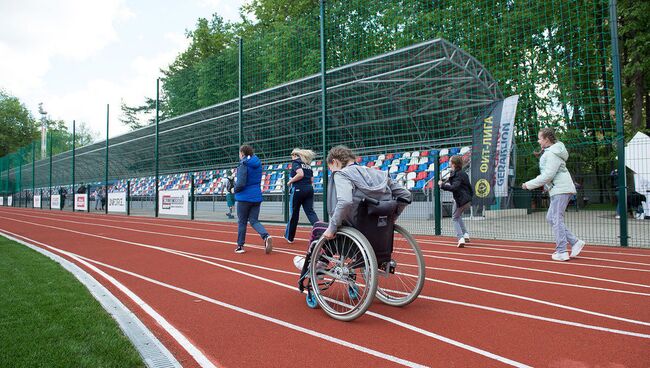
405,84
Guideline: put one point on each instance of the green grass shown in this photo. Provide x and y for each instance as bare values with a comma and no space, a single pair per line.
49,319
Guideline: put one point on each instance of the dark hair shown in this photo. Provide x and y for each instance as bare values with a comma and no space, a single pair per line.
246,150
341,153
457,161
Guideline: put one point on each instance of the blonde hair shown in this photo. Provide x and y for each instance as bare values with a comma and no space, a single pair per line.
307,156
341,153
549,134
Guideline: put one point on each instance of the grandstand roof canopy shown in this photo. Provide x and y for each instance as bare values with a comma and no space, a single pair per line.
419,97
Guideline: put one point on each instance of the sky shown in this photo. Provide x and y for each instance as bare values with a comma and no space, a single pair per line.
77,56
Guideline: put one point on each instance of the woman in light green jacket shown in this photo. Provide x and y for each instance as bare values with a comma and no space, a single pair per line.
557,181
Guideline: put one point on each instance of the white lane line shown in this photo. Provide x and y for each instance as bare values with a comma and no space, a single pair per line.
569,264
282,250
478,306
533,316
541,253
293,288
420,238
561,306
425,239
538,270
564,284
200,358
204,362
199,257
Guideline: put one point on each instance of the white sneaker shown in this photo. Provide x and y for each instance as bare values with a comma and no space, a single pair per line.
461,243
466,237
299,262
268,244
577,248
560,256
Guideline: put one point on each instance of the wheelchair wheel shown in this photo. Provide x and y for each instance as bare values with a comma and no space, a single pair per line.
340,265
401,280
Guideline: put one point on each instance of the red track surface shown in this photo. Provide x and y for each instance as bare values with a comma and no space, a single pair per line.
494,303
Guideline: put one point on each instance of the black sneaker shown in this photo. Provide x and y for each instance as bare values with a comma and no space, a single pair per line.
240,249
268,244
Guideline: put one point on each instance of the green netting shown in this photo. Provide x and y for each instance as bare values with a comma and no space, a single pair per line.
402,77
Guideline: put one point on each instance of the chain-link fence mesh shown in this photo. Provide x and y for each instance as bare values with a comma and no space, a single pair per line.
406,83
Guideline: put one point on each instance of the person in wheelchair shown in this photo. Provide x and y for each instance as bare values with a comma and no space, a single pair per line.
350,189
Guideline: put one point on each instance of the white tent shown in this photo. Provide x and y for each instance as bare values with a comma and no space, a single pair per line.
637,158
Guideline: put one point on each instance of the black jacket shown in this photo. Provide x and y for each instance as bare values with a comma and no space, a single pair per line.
458,183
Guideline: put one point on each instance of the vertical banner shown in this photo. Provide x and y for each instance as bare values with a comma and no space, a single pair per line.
55,201
173,202
10,201
2,201
37,201
504,145
81,202
117,202
484,147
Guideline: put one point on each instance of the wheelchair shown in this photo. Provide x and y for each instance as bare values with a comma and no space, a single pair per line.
375,257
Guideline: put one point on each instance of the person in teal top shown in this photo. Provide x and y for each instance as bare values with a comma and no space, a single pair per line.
557,181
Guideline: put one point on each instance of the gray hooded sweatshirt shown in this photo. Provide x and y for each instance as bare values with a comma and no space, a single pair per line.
346,189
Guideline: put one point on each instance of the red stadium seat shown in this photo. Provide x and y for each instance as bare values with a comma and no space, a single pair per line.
412,168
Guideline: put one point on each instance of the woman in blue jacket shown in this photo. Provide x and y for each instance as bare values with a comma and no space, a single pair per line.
248,195
557,181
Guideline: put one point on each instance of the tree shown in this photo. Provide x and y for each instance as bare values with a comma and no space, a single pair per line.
635,39
136,117
17,126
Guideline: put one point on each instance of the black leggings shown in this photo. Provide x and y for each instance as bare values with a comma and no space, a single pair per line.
300,197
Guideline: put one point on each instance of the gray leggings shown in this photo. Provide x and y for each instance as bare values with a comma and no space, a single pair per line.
457,219
555,217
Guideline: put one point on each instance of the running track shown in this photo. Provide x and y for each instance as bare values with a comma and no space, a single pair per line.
494,303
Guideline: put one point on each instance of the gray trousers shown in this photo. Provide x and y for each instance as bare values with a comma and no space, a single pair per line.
555,217
457,219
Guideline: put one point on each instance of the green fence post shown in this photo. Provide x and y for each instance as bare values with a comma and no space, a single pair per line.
33,172
50,141
241,91
106,166
323,82
192,197
156,147
285,196
74,145
128,197
620,135
436,194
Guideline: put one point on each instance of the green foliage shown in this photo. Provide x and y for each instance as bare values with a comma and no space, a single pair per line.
136,117
17,126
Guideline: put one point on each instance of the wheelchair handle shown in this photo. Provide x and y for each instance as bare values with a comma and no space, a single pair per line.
370,200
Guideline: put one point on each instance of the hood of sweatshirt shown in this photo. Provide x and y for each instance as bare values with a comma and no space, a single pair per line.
367,179
559,150
252,161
